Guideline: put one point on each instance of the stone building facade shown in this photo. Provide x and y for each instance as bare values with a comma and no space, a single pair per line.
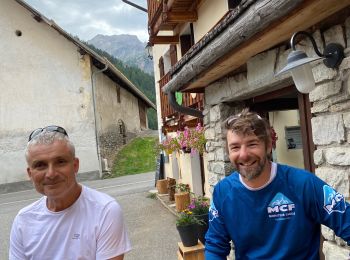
330,115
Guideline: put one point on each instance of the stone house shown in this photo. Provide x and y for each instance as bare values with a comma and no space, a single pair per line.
49,77
231,52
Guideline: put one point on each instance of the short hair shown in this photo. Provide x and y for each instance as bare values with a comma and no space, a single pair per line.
49,137
247,123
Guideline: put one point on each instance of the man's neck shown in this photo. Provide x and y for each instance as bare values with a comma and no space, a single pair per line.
59,204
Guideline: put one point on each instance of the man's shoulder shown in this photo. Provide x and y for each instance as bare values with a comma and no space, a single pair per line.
33,207
228,182
294,175
96,197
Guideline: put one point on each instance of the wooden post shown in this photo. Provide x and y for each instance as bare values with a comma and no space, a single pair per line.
190,253
182,200
162,186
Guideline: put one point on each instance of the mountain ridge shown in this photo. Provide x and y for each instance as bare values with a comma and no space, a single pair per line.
125,47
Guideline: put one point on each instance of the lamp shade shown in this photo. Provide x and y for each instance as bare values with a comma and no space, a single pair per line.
303,78
298,65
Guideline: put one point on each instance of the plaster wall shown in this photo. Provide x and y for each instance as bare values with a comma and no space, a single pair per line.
158,51
44,81
109,110
209,13
279,120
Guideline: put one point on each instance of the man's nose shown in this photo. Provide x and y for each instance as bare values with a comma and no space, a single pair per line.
51,172
243,152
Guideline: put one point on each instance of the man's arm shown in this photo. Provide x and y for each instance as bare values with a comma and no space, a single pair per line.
113,240
16,248
217,244
119,257
331,209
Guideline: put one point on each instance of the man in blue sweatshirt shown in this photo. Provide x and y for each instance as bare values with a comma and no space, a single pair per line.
269,210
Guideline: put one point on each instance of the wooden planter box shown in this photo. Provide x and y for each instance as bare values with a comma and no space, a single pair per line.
182,200
162,186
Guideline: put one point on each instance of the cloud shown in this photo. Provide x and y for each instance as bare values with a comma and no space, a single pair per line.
87,18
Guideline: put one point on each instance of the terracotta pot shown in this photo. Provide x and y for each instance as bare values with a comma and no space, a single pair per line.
182,200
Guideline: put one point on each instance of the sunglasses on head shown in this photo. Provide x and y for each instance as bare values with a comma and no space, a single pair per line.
233,118
51,128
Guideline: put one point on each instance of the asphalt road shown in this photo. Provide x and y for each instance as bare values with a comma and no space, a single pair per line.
151,226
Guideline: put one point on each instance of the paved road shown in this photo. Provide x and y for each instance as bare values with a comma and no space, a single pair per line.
151,226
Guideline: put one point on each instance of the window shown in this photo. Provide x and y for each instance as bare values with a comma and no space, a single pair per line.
186,39
233,3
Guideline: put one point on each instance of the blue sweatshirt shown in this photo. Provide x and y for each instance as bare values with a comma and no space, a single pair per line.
279,221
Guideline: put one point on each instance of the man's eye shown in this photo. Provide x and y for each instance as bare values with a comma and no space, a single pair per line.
234,148
61,161
39,166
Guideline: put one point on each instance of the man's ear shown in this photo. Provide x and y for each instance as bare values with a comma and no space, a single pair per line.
29,173
76,165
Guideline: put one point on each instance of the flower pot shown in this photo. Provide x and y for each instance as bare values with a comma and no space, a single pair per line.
162,186
202,229
182,200
188,234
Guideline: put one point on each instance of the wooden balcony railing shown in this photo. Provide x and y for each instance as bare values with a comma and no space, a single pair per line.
187,100
154,8
166,15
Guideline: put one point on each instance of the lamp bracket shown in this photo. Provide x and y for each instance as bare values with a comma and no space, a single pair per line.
334,54
292,42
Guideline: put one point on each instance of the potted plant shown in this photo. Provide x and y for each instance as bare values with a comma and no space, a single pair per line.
187,226
182,196
199,206
192,140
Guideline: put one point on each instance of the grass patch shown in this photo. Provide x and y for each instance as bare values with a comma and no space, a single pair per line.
152,195
136,157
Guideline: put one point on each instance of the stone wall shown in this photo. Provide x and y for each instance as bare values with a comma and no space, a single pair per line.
330,115
112,140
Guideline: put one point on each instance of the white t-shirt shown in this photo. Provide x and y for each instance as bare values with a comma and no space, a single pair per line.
92,228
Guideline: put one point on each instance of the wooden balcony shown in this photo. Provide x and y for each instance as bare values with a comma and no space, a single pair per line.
193,100
166,15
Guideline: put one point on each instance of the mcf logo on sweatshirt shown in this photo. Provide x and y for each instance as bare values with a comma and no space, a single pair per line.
333,201
280,207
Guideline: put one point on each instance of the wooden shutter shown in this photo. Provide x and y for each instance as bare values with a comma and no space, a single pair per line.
161,67
173,54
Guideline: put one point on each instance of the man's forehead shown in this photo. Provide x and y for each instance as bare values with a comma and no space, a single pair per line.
239,137
42,148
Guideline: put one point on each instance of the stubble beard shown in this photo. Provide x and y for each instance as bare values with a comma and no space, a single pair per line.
253,172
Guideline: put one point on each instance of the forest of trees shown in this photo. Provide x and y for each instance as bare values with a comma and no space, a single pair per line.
143,81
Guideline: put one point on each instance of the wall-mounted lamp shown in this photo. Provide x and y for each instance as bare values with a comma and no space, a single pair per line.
149,49
298,62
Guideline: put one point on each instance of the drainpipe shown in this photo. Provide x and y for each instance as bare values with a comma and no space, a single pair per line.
183,109
135,5
93,78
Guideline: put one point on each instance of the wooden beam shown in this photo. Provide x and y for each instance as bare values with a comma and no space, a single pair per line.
165,39
180,17
308,14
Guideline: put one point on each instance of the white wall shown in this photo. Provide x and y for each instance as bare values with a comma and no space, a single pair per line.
109,111
209,13
44,80
279,120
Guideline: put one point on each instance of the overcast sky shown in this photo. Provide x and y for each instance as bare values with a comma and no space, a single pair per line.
87,18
